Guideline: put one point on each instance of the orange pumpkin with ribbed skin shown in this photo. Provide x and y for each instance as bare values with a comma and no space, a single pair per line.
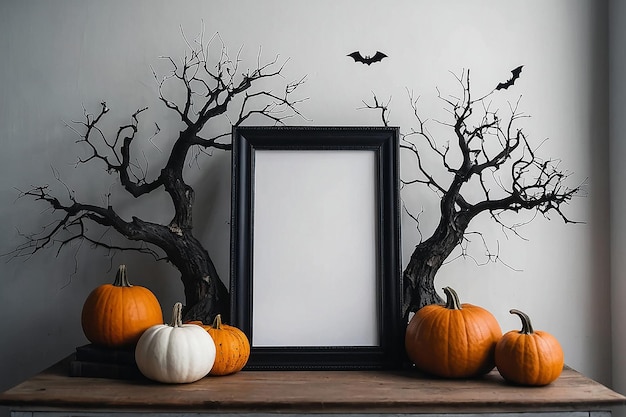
529,357
453,340
115,315
232,345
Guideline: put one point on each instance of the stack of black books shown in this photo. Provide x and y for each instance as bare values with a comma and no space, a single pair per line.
101,362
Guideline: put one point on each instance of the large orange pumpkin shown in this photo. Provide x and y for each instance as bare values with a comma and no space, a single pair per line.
453,340
232,347
115,315
529,357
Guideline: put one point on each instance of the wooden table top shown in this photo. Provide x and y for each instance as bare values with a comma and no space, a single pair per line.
404,391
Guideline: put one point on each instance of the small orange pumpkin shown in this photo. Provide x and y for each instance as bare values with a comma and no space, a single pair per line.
115,315
529,357
232,345
453,340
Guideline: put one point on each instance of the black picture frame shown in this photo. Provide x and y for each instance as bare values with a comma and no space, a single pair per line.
257,151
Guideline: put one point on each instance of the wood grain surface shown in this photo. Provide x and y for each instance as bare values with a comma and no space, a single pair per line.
403,391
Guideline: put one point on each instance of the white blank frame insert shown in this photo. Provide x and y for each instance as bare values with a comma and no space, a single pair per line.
314,249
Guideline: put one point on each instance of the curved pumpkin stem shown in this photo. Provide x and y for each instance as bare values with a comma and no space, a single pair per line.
527,327
217,323
177,315
452,299
121,280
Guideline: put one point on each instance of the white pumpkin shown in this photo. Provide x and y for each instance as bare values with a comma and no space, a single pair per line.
176,353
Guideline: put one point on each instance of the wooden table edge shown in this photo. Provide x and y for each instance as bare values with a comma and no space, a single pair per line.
13,398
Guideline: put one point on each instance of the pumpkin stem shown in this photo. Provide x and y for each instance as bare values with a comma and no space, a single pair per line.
177,315
217,323
121,280
452,299
527,327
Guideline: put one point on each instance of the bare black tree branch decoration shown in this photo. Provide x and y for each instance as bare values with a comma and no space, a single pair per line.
489,167
210,87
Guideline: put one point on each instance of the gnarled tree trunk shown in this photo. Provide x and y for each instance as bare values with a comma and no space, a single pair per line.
205,294
418,278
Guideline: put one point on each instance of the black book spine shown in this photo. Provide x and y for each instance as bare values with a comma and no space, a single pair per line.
101,370
97,354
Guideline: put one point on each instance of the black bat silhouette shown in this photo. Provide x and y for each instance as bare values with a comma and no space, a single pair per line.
367,60
516,72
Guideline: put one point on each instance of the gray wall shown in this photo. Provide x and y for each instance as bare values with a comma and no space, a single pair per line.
617,100
61,55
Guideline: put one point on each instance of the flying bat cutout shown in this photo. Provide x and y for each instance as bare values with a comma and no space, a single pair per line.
366,59
516,72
